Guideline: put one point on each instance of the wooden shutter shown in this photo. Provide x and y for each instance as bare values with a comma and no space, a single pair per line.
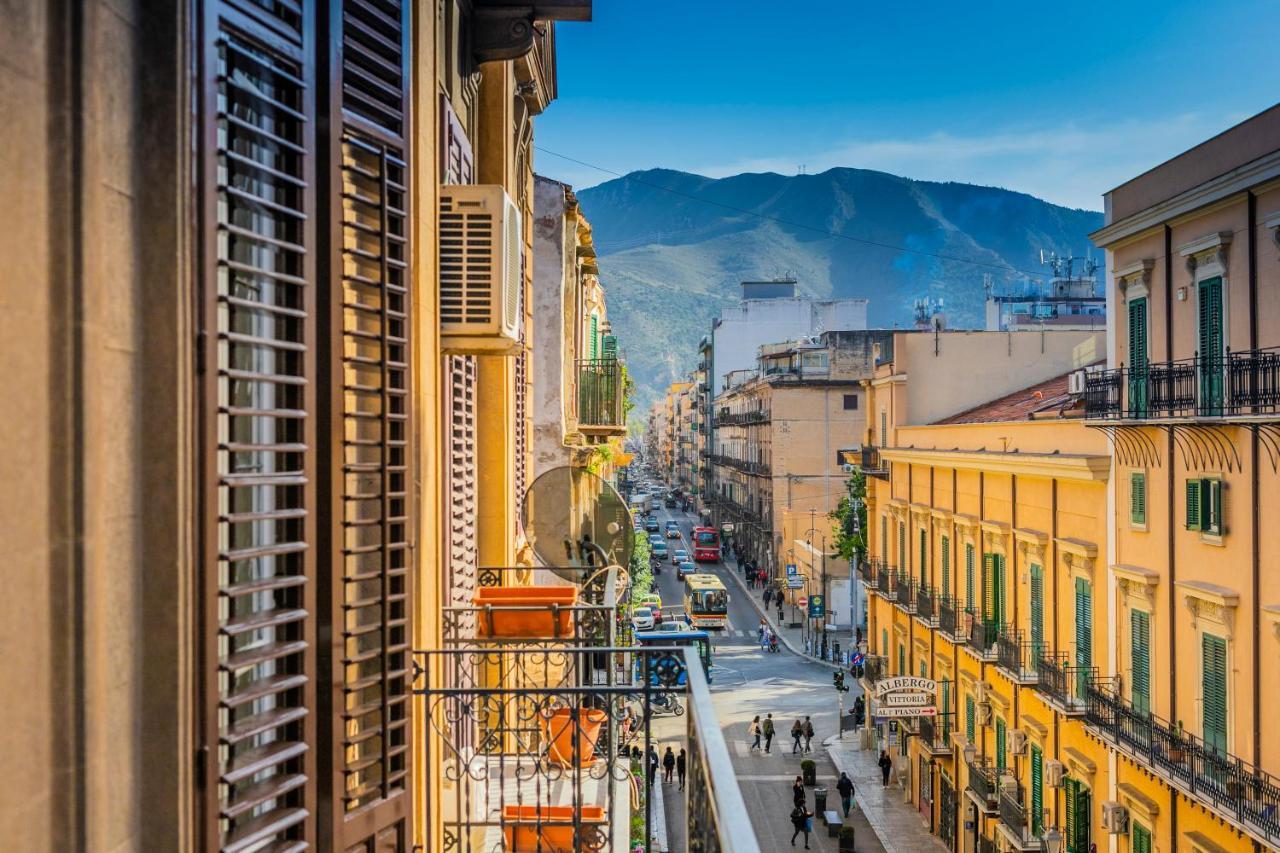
946,565
884,428
1214,691
924,558
1210,345
256,432
461,570
1193,505
1069,801
988,588
1000,743
1037,792
902,546
970,718
902,659
1037,610
884,537
1084,624
1141,842
968,575
1138,336
1140,657
1002,601
1137,498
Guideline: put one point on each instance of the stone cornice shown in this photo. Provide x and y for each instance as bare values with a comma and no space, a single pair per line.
1062,466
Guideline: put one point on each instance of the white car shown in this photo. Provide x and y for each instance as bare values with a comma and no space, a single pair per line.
642,619
673,626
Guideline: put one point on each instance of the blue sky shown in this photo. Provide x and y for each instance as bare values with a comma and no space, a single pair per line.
1063,101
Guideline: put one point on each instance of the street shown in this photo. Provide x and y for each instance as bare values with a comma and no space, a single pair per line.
747,682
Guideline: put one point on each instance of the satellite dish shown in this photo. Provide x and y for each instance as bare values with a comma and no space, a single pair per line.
577,523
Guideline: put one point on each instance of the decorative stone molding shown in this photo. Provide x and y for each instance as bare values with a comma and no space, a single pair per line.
1272,223
1031,544
1210,603
1078,555
1078,763
1271,613
969,680
1002,703
1134,280
897,508
1139,802
1137,585
943,516
1208,250
966,525
995,537
1037,731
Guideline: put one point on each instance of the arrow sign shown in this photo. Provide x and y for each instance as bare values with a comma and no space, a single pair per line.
927,711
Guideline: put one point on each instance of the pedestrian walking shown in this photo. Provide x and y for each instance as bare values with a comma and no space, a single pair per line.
760,631
808,734
668,765
845,787
768,596
767,640
768,733
779,608
802,821
755,732
886,764
797,792
652,762
682,767
797,732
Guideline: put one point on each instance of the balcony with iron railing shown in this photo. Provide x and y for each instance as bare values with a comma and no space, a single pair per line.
1232,788
874,668
904,592
600,397
1017,655
935,732
951,619
983,786
872,464
884,578
1014,825
927,605
753,416
1235,385
981,635
1063,683
746,466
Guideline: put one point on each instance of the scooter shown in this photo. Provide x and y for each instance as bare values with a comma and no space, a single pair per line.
660,704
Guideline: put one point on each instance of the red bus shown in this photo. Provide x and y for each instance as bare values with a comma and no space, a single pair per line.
706,545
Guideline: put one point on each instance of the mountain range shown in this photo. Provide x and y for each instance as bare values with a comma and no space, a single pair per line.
673,248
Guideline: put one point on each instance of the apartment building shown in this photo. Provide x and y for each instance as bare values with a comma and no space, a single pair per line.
1189,402
779,427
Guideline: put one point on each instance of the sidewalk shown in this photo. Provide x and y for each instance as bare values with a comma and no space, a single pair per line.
900,827
791,638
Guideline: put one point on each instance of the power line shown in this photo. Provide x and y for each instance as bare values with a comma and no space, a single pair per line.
780,221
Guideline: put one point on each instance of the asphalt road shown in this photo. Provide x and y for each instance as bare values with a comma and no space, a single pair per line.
745,682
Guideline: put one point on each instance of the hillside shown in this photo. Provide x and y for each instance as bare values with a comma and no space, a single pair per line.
674,246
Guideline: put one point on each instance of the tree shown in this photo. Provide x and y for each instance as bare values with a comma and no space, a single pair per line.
851,519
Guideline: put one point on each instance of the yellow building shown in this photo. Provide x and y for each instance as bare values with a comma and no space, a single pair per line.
1189,402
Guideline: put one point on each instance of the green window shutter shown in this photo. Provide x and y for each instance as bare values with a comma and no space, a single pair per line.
884,642
884,429
988,588
1081,815
1000,737
884,537
902,546
924,669
1193,505
968,575
970,716
1037,610
1214,690
1140,653
1138,336
946,710
1141,839
924,558
902,659
1084,625
1037,792
1002,603
946,565
1137,498
595,337
1069,818
1211,496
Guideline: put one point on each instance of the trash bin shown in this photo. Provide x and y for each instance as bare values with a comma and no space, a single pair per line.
820,802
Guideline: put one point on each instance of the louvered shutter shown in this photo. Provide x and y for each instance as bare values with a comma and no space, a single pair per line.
988,589
1140,654
948,713
946,565
1037,792
902,546
1069,801
1002,602
1082,816
1141,842
256,433
1037,610
1000,743
1214,691
1084,625
1138,358
884,537
1193,505
924,558
884,428
902,659
1210,345
970,719
1138,498
968,576
595,338
461,569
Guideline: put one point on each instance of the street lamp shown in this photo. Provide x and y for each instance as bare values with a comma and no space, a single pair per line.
1051,841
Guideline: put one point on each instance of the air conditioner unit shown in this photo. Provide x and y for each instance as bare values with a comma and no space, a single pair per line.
1009,786
1075,382
1017,742
984,713
1115,818
980,692
1054,773
848,467
481,280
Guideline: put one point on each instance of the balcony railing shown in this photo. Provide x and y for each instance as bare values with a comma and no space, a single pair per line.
904,592
983,782
951,619
884,575
926,604
935,732
745,466
1063,683
1234,789
1016,655
1013,815
755,416
1237,384
534,755
872,464
600,395
981,635
874,668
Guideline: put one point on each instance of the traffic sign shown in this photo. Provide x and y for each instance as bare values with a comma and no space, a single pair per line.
802,601
795,583
926,711
791,570
817,606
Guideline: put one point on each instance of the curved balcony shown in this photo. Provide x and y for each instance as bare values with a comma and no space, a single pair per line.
1235,385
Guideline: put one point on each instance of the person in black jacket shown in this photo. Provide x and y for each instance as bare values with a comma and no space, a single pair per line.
682,766
886,764
800,817
668,765
797,792
845,787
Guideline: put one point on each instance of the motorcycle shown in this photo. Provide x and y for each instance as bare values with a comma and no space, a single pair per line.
661,704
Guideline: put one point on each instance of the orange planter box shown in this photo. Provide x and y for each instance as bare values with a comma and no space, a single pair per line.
525,623
559,729
523,835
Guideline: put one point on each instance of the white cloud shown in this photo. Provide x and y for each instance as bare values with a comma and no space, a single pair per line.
1071,164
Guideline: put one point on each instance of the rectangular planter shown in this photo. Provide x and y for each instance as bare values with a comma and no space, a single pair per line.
525,611
523,834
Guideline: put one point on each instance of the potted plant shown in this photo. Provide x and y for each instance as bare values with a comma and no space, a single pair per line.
846,839
809,770
559,728
525,611
547,828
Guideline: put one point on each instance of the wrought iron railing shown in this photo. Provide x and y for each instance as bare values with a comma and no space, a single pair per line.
1234,789
935,732
874,668
534,755
884,577
872,464
926,603
755,416
904,591
1013,811
1234,384
600,393
982,634
983,782
1016,655
744,465
950,619
1063,682
987,845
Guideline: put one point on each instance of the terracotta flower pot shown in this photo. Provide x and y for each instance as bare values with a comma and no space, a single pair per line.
538,622
559,728
524,835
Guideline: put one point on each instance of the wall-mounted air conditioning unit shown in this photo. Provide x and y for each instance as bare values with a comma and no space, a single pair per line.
1075,382
1054,773
1017,742
1009,786
481,281
1115,818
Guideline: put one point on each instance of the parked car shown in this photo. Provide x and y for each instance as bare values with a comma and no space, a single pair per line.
672,626
642,619
685,567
